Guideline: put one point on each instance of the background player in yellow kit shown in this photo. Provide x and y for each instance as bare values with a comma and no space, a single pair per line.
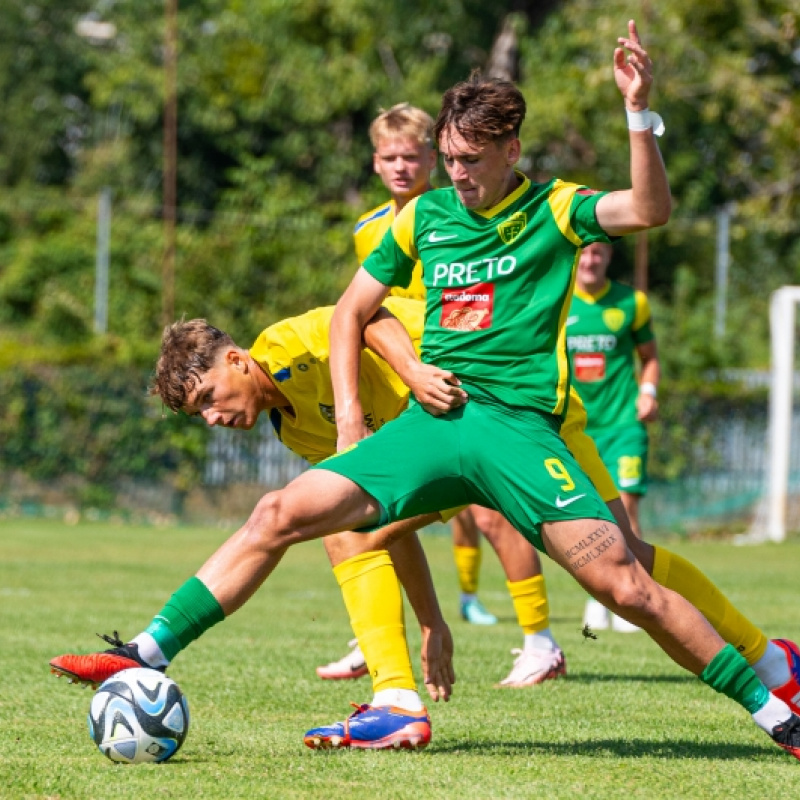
404,158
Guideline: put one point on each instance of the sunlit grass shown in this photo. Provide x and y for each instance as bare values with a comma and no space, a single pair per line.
626,723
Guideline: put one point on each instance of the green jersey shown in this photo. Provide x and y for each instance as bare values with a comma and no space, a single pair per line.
498,285
603,331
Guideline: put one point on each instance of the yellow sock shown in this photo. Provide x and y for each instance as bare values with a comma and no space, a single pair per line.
372,596
468,564
681,576
530,603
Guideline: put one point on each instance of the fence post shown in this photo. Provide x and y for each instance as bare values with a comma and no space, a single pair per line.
101,261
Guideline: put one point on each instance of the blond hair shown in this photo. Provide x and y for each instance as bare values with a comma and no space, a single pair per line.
402,119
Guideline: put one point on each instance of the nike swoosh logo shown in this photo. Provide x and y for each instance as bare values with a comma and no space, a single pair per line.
564,503
435,237
572,320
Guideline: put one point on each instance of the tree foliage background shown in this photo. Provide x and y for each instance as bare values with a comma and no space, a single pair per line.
274,101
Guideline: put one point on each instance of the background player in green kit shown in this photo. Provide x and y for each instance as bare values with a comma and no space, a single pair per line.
499,255
609,328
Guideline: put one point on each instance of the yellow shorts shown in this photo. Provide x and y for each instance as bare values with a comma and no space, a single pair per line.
582,446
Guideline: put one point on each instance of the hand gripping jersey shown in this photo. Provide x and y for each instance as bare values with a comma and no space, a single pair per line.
370,229
603,331
295,353
498,285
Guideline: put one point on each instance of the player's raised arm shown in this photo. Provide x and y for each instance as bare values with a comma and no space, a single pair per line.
357,306
647,204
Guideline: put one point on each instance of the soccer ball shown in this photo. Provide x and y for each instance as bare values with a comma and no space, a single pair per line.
137,716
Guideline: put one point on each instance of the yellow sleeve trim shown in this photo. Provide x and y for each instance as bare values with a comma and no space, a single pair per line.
562,352
560,201
642,310
403,229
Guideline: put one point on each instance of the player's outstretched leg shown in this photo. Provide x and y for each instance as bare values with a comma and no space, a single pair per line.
607,569
776,662
307,508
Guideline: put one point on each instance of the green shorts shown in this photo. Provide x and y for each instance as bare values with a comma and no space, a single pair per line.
506,458
624,452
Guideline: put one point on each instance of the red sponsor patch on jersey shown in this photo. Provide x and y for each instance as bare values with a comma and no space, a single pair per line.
468,308
587,192
589,367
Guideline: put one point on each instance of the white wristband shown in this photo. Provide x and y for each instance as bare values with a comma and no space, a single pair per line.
648,388
644,120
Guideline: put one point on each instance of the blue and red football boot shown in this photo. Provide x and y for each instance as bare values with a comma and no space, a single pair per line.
790,691
374,728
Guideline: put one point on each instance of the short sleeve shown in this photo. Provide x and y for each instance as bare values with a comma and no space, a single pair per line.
392,262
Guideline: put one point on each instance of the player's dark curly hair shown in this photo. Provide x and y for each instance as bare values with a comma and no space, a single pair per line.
188,350
482,110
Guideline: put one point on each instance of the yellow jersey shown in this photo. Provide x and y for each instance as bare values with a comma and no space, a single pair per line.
367,235
295,353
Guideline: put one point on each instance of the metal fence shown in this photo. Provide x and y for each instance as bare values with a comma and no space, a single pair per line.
255,457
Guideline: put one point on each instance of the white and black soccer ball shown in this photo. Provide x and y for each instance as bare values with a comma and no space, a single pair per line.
138,716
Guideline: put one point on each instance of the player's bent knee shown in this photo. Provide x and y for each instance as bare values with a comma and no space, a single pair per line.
273,520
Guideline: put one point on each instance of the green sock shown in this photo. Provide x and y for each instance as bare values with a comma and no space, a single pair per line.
188,614
730,674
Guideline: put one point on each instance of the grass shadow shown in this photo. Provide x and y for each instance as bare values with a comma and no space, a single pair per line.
597,677
609,748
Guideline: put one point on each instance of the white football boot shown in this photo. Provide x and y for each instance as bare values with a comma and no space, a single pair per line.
534,666
351,666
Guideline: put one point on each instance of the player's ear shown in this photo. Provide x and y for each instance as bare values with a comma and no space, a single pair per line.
234,358
513,151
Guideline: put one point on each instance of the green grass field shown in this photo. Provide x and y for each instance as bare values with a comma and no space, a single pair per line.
625,723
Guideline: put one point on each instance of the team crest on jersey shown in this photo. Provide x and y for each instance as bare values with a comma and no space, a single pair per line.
328,413
513,227
614,318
